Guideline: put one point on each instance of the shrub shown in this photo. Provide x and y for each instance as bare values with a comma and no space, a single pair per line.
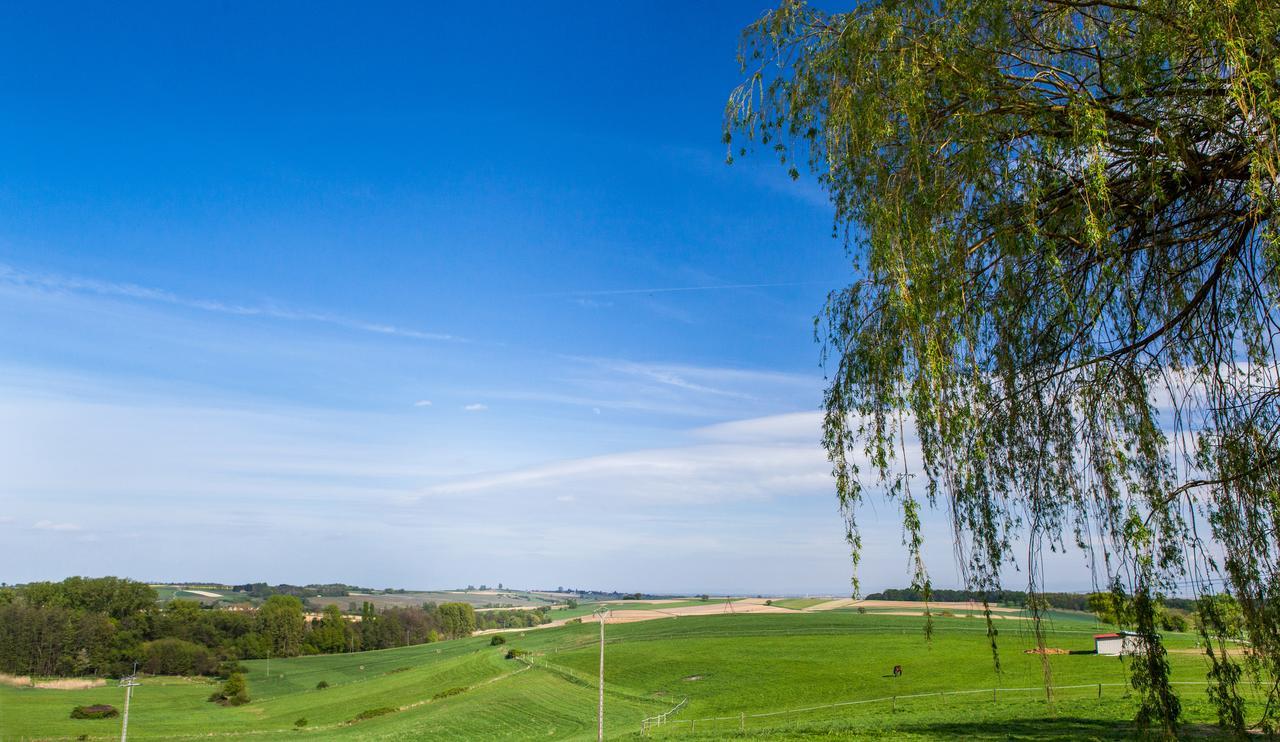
373,713
229,667
96,711
322,685
172,656
234,692
768,602
449,692
572,621
862,609
300,723
514,653
497,639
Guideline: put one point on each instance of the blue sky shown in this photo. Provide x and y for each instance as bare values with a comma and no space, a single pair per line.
408,296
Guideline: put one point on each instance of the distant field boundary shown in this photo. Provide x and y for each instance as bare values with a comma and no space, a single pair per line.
769,631
653,722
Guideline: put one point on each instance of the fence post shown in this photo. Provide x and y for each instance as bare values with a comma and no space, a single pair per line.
742,721
895,704
994,696
1099,690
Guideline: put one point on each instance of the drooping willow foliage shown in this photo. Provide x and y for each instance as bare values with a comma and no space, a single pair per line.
1060,215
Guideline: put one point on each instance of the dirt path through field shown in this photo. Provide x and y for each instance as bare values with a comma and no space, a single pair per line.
758,605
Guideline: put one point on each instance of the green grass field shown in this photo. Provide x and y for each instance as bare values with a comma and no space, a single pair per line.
586,609
799,604
730,668
165,593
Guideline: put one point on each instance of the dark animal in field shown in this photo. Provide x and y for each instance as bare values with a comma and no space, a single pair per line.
897,670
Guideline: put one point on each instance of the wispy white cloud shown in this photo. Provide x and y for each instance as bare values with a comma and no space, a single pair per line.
72,284
682,391
48,525
677,289
805,427
422,403
477,407
724,466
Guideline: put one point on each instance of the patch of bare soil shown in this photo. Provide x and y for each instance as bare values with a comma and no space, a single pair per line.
1046,650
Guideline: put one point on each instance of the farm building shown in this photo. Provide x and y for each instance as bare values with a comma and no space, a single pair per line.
1123,642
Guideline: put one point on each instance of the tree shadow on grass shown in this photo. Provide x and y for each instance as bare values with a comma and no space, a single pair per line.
1056,729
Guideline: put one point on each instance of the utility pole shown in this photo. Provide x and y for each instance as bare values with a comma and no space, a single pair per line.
600,614
128,684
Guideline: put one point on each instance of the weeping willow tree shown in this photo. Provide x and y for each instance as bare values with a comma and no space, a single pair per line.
1060,217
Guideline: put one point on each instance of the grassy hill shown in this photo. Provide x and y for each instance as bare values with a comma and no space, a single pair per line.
728,667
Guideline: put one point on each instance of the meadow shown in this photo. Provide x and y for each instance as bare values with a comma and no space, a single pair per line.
726,670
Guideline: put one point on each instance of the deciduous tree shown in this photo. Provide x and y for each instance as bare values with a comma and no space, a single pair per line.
1061,222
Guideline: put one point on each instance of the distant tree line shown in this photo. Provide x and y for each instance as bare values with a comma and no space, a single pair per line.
1170,614
514,619
1013,598
601,595
101,626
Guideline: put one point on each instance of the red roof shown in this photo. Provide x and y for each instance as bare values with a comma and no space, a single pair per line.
1107,636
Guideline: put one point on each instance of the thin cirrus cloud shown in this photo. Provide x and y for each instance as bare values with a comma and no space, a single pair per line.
73,284
674,289
422,403
477,407
49,525
720,465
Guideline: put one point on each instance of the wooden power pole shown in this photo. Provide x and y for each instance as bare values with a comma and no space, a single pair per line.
600,614
129,684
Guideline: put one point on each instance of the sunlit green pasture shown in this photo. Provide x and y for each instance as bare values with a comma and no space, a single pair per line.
728,667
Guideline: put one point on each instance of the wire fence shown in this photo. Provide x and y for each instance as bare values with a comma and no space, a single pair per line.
741,721
660,719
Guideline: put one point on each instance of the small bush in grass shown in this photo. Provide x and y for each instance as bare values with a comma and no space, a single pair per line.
300,723
862,609
374,713
497,639
573,620
96,711
513,653
322,685
449,692
234,692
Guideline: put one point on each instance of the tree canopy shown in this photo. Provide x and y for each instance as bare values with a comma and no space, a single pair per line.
1060,219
